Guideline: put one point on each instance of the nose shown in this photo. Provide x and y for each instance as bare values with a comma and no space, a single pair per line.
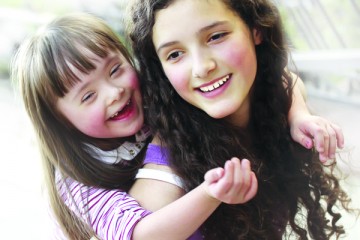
203,64
113,94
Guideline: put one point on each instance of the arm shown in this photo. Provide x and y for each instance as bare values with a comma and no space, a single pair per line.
113,214
148,191
236,183
309,130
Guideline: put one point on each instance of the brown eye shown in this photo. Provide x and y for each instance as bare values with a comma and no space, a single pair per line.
174,55
217,36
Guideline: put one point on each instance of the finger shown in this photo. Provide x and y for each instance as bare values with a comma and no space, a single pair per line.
245,172
332,142
321,139
245,183
228,178
252,189
298,136
305,136
305,141
323,157
213,175
241,177
225,182
238,173
339,135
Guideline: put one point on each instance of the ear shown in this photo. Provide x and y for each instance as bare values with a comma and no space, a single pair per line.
257,36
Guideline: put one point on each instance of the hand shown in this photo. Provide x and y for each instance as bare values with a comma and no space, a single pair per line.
235,183
313,131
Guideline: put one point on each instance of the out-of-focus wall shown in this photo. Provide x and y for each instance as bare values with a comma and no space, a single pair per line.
324,39
18,18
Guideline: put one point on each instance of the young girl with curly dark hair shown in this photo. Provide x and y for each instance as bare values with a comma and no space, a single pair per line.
215,85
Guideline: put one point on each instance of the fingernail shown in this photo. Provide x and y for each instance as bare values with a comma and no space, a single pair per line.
323,158
307,144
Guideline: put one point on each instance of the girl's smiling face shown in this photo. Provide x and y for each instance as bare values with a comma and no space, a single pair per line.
208,55
106,103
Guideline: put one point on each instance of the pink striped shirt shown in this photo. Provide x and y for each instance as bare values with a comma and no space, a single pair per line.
112,214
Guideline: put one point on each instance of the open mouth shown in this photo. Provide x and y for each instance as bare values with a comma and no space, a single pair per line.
123,112
215,85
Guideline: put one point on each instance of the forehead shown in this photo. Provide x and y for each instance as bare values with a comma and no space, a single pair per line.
83,61
186,17
193,8
94,61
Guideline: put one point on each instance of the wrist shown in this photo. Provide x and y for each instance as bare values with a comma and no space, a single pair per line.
295,114
206,191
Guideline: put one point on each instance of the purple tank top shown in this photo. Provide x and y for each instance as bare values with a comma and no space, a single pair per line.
159,155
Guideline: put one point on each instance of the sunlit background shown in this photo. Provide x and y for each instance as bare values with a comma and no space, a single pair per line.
324,37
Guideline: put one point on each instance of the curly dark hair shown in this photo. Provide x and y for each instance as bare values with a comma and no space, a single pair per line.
295,189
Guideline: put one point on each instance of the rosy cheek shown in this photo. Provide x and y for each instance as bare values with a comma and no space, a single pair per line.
94,124
133,80
177,78
236,56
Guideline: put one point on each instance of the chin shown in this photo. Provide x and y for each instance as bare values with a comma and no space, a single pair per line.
134,128
217,115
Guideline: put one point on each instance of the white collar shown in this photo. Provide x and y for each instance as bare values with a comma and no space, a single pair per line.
126,151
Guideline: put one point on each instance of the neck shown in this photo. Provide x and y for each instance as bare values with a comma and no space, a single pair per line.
107,144
240,118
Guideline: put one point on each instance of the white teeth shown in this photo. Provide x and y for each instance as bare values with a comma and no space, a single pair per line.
215,85
117,113
114,115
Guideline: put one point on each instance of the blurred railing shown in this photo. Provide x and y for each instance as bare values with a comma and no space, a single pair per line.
324,36
331,74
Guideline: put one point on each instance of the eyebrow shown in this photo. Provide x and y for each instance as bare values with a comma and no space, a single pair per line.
108,60
203,29
78,91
